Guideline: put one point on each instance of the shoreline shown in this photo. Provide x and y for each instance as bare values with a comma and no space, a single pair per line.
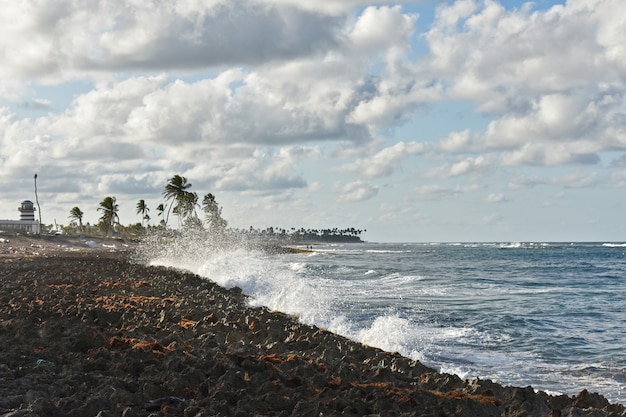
83,331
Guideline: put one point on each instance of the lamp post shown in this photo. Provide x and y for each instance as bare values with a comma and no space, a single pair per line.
38,208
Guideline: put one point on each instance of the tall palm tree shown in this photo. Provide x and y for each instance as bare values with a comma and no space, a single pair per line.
143,210
175,191
187,205
209,204
213,213
77,215
109,209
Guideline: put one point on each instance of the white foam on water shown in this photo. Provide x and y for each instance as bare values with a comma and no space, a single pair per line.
390,333
298,267
278,286
386,251
614,245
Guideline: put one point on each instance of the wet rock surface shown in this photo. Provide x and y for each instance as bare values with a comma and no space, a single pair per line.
91,334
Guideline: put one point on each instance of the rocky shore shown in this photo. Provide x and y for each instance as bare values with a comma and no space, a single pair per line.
86,332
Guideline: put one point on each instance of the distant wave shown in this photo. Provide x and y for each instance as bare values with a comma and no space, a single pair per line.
614,245
530,245
386,251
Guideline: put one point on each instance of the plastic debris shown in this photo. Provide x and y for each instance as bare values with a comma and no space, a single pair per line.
41,362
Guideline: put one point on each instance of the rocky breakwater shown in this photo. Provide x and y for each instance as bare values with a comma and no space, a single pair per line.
87,335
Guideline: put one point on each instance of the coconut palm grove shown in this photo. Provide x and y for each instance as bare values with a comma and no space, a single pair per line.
182,209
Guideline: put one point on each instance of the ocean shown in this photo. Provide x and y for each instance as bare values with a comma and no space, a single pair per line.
549,315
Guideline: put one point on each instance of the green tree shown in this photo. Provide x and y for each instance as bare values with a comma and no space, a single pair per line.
143,209
175,192
213,214
76,214
109,218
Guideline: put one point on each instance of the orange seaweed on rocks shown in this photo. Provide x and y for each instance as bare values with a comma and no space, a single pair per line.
186,323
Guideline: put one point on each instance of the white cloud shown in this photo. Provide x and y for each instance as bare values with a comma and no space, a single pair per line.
551,78
500,48
575,119
332,7
380,28
524,182
439,192
356,191
548,155
464,166
496,198
56,37
264,171
436,192
457,142
578,179
385,162
388,100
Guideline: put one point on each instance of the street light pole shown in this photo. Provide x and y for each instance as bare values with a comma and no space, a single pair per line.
37,200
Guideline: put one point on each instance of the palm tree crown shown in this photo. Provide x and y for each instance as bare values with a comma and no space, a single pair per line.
77,214
213,213
109,210
143,209
176,190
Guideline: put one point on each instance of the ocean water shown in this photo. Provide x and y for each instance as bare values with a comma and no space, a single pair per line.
548,315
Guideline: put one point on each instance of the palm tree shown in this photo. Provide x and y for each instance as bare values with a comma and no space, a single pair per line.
175,190
160,210
187,205
213,213
77,215
109,210
143,210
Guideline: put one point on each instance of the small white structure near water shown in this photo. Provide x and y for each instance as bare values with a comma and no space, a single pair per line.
26,223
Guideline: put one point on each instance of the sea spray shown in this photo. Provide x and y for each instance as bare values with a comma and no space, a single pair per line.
237,261
274,282
310,291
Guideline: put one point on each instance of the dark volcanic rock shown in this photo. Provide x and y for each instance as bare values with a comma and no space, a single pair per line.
94,335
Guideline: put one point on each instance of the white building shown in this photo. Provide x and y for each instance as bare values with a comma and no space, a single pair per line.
26,223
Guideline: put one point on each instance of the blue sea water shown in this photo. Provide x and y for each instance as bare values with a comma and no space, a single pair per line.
548,315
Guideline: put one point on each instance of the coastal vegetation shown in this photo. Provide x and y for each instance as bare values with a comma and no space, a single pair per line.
185,205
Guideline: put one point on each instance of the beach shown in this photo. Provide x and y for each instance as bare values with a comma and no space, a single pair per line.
84,331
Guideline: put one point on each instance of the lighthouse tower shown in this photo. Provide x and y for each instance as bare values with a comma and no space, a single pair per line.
26,223
27,211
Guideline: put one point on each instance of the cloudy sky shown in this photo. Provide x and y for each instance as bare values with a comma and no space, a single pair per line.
418,120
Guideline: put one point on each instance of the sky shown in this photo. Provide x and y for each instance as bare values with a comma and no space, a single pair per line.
417,120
